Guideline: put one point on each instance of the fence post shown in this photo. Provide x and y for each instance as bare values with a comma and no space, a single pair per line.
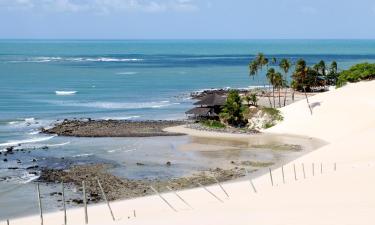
63,200
85,202
321,168
211,193
156,192
334,167
282,171
313,169
251,182
303,170
295,173
178,196
271,176
7,222
40,204
222,188
105,199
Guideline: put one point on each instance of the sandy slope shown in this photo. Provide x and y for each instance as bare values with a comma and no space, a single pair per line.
344,117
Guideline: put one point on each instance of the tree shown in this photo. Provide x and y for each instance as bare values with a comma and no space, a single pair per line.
278,84
274,61
253,68
332,75
232,112
254,99
271,76
300,77
285,66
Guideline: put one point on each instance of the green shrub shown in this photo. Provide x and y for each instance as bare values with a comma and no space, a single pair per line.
213,124
362,71
275,115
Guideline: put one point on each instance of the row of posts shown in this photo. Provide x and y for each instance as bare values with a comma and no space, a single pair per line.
170,189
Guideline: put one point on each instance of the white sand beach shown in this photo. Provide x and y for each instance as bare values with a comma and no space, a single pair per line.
338,190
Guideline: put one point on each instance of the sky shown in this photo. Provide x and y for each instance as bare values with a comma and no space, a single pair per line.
187,19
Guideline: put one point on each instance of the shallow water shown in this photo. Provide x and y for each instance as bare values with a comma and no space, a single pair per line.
125,153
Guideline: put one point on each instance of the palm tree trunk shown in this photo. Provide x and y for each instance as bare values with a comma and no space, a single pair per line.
273,94
279,98
307,99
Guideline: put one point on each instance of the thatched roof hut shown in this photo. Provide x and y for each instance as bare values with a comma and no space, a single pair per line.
212,100
208,107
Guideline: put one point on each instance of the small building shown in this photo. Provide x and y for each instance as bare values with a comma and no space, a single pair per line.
209,107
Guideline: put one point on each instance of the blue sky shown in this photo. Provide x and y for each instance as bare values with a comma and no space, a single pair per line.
187,19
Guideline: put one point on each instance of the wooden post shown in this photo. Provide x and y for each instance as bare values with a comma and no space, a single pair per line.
135,215
334,167
106,200
251,182
295,173
63,201
282,171
313,169
85,202
7,222
221,187
211,193
40,204
178,196
271,176
321,168
303,170
156,192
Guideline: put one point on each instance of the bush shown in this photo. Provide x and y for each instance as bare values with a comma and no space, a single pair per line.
232,112
275,116
213,124
362,71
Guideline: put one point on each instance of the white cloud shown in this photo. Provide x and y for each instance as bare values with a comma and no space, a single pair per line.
101,6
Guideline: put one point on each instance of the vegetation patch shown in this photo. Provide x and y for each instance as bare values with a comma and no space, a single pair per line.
274,117
213,124
362,71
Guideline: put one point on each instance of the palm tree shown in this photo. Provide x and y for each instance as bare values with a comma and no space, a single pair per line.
301,71
285,66
273,61
253,68
271,76
279,83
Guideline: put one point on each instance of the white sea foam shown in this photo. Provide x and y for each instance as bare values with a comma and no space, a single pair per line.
121,118
115,105
66,92
23,122
127,73
26,141
27,177
82,155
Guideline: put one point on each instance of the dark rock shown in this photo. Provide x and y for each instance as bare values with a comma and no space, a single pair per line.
168,163
32,167
13,168
140,164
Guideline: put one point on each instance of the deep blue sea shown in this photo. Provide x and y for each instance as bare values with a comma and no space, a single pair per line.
42,81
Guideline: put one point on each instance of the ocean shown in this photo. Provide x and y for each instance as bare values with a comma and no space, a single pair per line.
42,81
